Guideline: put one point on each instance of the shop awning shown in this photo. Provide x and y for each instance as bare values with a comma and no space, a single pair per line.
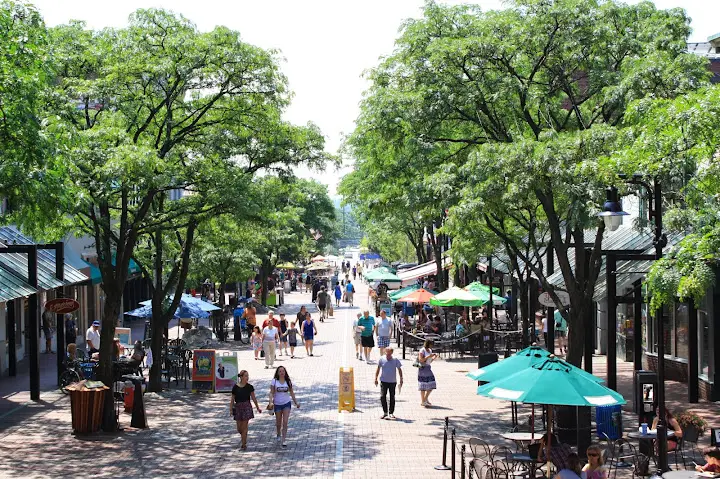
409,276
96,276
14,268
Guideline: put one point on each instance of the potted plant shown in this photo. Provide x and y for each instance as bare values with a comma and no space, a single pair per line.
691,423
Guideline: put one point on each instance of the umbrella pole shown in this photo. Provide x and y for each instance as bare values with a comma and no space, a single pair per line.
549,441
532,423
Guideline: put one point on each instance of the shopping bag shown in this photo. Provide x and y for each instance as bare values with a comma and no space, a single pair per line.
330,310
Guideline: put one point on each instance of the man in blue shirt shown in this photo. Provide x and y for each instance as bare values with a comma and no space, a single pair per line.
349,292
367,340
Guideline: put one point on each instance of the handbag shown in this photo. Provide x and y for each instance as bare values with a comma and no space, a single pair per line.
417,363
262,353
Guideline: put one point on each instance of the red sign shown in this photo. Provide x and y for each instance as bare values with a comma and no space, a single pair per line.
62,305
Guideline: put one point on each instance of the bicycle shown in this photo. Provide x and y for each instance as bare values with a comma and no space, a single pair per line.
75,371
245,331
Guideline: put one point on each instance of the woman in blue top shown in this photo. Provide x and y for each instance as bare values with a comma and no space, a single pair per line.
338,295
309,331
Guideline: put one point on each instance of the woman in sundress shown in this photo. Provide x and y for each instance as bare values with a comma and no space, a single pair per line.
426,378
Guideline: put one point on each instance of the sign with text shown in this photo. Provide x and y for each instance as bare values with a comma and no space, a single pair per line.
226,372
62,305
203,370
546,300
346,390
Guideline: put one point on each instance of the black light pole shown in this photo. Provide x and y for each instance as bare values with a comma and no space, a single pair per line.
611,215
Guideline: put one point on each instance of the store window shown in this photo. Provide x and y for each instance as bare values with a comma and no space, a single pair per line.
704,335
680,331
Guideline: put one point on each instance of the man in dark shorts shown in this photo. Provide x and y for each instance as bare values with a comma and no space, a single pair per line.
367,340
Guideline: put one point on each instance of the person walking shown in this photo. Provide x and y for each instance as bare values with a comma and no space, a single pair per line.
281,391
338,295
354,272
240,408
349,292
48,318
426,378
283,334
384,328
92,338
71,330
309,330
256,341
387,368
270,336
367,340
357,330
291,337
322,302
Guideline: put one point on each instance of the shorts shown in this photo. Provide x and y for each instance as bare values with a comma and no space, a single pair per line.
293,344
280,407
383,341
322,307
367,341
356,338
349,297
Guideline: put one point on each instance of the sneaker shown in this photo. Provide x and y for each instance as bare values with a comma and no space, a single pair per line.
278,439
368,362
384,416
391,417
266,367
357,355
311,354
292,357
284,444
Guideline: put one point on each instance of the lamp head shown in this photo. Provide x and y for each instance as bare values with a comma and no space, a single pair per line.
612,213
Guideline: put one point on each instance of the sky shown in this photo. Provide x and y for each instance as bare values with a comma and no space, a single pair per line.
326,45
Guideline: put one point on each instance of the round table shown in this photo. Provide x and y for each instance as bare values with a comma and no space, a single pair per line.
680,475
649,436
523,436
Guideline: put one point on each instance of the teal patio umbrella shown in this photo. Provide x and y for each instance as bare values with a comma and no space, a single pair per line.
551,382
523,359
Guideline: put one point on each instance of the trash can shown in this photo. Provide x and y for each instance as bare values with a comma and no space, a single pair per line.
609,421
286,285
86,406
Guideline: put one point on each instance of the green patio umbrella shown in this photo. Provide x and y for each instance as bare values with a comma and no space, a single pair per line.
456,297
381,274
552,382
478,286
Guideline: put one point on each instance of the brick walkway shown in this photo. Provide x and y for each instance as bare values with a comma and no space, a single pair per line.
193,436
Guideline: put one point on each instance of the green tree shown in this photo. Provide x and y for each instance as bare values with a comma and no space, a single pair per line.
678,142
141,111
23,84
538,93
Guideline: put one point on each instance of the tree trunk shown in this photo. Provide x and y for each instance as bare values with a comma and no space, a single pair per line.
157,330
264,273
113,305
525,312
437,253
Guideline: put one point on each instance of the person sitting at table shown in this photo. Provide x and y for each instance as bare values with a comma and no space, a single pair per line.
117,348
594,469
571,470
435,326
559,452
712,457
422,320
461,328
671,424
405,323
138,355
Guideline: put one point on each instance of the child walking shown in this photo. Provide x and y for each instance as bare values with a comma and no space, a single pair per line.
290,336
257,341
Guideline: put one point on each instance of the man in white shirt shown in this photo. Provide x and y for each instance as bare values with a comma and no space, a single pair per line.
384,328
92,338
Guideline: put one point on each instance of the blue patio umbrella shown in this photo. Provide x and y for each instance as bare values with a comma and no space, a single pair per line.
181,312
189,301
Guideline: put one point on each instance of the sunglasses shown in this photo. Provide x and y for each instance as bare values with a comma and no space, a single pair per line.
592,455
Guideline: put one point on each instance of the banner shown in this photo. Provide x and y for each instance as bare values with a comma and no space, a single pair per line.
226,372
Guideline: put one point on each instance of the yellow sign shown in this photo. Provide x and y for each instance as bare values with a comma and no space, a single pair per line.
346,390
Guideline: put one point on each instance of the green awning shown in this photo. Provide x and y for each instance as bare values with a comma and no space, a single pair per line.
96,276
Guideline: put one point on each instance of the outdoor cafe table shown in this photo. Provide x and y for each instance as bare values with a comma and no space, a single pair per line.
681,475
645,440
523,436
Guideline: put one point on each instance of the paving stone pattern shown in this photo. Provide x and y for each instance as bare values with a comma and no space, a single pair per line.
193,435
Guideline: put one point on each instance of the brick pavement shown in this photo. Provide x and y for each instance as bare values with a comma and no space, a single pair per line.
192,435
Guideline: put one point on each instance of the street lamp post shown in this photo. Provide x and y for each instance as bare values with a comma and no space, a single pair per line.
612,214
